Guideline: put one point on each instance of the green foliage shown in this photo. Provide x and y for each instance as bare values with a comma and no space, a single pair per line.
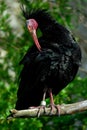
14,48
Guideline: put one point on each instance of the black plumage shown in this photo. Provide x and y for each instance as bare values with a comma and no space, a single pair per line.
53,67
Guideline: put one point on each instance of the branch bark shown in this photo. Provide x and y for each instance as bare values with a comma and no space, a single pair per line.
83,70
65,109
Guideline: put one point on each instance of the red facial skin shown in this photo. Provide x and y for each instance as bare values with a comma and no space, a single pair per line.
32,26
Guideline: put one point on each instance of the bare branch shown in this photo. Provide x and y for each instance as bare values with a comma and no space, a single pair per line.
65,109
83,70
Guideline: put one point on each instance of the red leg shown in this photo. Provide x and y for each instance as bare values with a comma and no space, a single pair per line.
52,103
51,97
43,103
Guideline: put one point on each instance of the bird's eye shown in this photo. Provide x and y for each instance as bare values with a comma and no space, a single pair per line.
30,28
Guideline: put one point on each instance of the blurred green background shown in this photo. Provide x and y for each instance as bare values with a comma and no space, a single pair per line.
14,42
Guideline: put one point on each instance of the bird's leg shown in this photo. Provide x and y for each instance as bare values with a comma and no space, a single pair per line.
43,103
52,103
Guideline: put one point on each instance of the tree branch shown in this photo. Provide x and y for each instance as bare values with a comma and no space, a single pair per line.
83,70
65,109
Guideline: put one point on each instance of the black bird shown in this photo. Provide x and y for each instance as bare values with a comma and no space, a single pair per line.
50,64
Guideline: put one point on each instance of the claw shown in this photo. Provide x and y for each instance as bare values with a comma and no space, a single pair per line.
40,109
43,104
53,106
52,103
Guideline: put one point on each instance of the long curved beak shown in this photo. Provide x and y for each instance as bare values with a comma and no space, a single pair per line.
34,36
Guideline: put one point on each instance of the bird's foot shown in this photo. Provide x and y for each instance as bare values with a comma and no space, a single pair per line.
42,107
53,106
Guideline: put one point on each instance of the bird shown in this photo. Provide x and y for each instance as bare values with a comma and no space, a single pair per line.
50,64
